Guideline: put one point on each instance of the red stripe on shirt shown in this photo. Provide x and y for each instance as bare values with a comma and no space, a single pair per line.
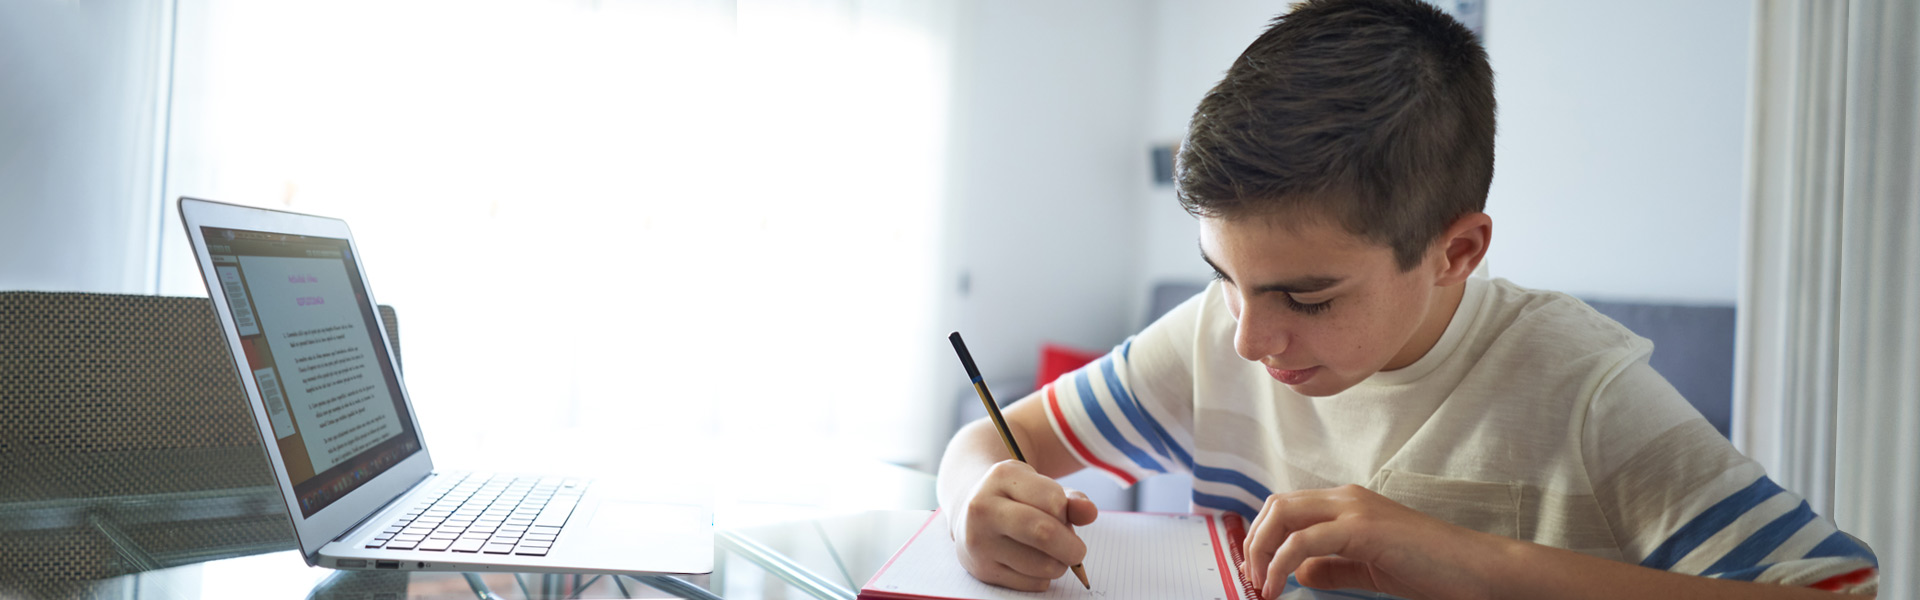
1073,441
1842,581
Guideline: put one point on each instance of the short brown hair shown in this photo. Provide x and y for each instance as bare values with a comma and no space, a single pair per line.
1377,113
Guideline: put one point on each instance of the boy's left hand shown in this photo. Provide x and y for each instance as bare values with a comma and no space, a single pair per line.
1352,537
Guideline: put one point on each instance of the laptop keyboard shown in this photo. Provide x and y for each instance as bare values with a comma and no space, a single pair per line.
482,513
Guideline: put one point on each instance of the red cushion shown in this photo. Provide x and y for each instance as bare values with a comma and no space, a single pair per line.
1057,360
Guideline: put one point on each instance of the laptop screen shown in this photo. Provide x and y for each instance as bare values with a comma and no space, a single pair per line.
312,345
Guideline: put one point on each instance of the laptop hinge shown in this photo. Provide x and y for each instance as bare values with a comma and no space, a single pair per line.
383,508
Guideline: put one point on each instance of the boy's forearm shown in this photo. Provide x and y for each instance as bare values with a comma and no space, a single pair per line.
1528,570
973,450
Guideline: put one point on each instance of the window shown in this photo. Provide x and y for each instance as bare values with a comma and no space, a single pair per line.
677,221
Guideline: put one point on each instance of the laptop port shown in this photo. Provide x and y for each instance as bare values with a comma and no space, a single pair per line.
351,563
386,564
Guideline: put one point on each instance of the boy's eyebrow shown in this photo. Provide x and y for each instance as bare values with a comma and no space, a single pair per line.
1298,285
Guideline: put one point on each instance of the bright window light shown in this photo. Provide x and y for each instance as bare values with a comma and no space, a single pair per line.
686,223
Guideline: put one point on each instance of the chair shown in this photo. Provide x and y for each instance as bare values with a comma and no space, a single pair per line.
126,443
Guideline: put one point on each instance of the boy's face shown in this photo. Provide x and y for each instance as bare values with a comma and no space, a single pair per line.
1321,308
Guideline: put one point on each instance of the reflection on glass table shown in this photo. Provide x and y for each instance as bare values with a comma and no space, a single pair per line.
232,541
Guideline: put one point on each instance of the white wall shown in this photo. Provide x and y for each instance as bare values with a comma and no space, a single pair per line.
1618,163
79,89
1618,171
1049,156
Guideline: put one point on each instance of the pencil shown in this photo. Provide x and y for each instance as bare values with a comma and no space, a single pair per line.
999,422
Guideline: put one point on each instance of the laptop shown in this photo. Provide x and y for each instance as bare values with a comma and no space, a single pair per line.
358,480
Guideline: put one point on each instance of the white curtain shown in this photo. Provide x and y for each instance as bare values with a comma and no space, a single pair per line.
700,225
1828,378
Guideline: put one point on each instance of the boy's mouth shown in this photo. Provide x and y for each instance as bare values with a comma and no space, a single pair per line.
1294,377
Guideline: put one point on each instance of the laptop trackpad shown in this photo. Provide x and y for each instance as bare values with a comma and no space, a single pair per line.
640,520
635,536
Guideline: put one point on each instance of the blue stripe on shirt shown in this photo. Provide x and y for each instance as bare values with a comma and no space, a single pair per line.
1233,478
1709,522
1098,415
1224,503
1840,545
1763,542
1142,422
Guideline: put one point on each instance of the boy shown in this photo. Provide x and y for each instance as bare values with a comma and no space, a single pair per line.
1387,421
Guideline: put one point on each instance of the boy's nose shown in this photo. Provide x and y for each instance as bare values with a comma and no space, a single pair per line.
1258,335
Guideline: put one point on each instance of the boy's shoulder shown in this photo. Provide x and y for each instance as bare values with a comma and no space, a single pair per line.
1518,326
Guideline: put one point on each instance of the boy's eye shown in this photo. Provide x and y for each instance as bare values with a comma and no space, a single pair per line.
1307,309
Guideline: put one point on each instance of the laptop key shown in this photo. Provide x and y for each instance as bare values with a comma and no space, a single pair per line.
399,544
498,548
526,551
435,545
555,515
468,545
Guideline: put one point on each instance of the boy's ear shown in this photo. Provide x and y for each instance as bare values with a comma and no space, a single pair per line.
1463,246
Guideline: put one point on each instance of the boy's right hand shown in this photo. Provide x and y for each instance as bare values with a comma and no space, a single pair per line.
1013,530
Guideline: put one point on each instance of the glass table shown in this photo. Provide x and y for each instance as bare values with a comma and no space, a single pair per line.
796,527
825,558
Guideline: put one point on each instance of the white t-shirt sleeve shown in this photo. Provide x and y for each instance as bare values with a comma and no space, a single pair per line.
1129,414
1680,498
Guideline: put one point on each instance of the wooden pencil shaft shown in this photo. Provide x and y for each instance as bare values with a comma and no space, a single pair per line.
986,397
993,411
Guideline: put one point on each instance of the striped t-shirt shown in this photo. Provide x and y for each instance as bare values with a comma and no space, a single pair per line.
1533,417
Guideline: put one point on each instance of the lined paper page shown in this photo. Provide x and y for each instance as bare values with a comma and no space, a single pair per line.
1130,556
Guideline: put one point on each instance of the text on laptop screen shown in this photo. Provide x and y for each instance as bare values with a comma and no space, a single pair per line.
315,352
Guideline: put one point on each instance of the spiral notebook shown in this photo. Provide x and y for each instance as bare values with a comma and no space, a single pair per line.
1142,556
